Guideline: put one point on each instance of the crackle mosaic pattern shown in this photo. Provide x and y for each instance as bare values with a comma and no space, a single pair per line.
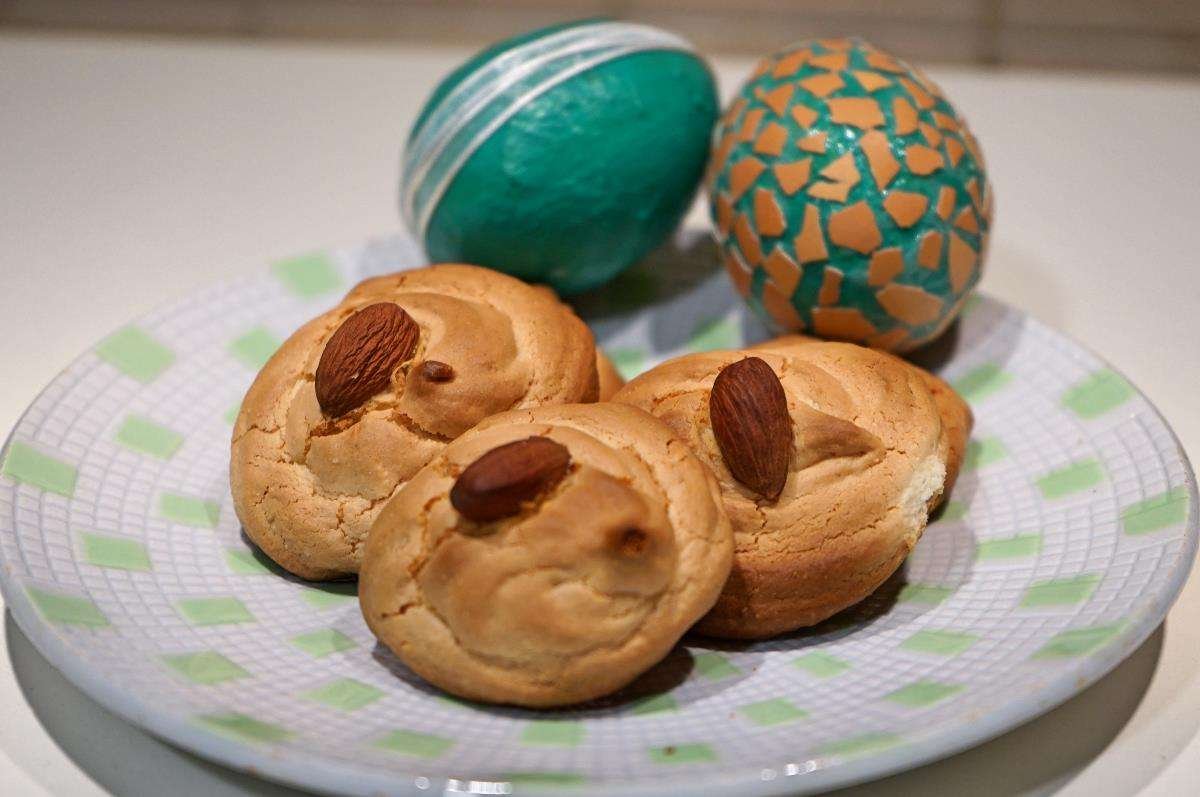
1068,536
849,195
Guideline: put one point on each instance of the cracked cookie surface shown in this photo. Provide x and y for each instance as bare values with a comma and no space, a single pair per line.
587,586
307,486
876,442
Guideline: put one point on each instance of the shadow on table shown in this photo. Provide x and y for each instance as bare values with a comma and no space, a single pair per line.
1048,751
120,758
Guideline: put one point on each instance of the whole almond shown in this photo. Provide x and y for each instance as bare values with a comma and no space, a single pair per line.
361,355
749,414
495,485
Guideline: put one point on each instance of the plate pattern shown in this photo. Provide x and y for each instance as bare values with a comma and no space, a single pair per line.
1070,533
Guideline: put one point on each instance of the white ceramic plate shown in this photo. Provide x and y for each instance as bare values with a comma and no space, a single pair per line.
1069,534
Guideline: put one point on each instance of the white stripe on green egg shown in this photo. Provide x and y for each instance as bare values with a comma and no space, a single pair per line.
557,157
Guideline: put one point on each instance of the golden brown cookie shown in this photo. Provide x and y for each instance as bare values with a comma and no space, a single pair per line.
610,378
360,398
547,556
829,457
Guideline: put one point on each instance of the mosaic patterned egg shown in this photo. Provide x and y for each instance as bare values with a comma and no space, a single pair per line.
849,196
563,155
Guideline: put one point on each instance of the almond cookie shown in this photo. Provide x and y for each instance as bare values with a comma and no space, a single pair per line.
830,457
360,398
547,556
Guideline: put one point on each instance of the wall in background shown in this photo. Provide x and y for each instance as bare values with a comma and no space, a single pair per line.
1160,35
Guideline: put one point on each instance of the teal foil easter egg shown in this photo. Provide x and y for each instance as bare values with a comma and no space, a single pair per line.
561,156
849,196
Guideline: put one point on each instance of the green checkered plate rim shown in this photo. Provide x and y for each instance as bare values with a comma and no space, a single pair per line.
1070,533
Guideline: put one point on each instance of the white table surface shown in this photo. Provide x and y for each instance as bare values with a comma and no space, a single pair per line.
133,172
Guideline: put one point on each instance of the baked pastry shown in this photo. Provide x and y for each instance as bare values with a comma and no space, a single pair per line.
547,556
360,398
830,457
610,378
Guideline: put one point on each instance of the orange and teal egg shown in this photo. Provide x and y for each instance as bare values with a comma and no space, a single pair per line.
849,196
561,156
